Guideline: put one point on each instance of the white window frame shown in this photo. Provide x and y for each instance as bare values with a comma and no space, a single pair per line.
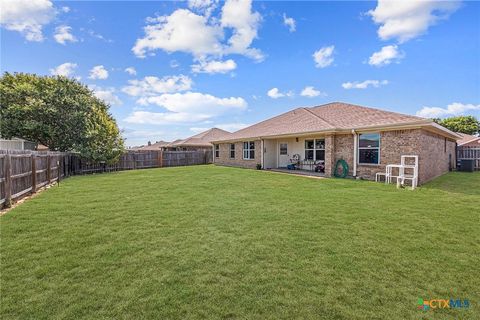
314,148
217,151
234,151
369,148
246,151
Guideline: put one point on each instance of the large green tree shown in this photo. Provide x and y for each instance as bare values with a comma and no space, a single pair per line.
463,124
60,113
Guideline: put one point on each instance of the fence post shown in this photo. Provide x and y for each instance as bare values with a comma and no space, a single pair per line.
134,161
8,181
48,169
34,174
160,160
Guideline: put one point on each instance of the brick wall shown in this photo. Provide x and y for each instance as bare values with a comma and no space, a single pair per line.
437,156
430,148
225,160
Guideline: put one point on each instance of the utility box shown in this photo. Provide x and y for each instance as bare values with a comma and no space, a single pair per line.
467,165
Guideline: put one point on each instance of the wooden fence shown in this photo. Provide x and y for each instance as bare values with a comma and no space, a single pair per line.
23,172
469,153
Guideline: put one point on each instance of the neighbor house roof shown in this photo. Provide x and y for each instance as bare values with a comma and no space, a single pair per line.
468,139
331,117
203,139
155,146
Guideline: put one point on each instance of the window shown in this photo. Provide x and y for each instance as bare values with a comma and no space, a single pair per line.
232,150
283,149
315,149
249,150
369,148
217,151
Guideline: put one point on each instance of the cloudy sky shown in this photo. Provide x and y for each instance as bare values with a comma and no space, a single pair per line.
171,69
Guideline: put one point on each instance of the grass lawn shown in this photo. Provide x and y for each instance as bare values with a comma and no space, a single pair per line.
214,242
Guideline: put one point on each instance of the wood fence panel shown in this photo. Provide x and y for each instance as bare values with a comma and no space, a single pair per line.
23,172
472,153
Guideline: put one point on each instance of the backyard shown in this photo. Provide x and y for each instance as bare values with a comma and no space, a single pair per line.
217,242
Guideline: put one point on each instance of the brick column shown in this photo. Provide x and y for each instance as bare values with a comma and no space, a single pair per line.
329,155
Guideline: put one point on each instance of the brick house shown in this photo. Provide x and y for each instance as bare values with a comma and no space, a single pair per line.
199,142
367,139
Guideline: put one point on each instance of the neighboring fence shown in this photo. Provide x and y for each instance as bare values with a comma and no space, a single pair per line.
469,153
23,172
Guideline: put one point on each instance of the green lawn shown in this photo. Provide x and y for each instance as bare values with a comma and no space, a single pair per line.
214,242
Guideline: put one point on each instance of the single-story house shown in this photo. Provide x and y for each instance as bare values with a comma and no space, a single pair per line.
367,139
157,146
468,140
198,142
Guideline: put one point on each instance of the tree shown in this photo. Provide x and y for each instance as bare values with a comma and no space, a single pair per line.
463,124
60,113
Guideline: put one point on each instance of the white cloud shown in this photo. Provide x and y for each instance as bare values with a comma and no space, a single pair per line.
63,35
65,9
152,85
106,94
98,72
66,69
274,93
364,85
385,56
99,36
205,7
289,22
27,17
323,57
238,15
310,92
195,103
453,109
214,66
131,71
162,118
186,107
174,32
407,19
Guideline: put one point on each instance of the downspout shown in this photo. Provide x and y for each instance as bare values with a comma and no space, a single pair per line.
262,144
355,152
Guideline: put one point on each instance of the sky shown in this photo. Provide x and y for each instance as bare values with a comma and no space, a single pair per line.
170,69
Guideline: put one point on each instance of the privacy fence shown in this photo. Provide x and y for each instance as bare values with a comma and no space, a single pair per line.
23,172
472,153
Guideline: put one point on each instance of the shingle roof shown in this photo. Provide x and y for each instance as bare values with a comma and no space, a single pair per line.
466,138
203,139
328,117
155,146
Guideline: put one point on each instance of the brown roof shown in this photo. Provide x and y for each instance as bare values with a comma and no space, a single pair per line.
332,117
468,139
155,146
203,139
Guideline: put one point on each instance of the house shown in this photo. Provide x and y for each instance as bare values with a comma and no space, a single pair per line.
157,146
467,140
198,142
367,139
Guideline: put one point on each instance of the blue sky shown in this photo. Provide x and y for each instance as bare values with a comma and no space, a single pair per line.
197,64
